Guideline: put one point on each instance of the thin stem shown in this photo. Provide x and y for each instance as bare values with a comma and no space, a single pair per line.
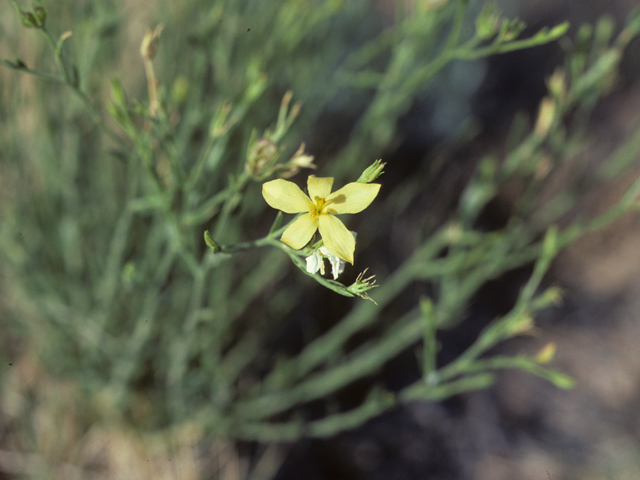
182,347
74,84
49,77
456,28
362,363
230,202
152,86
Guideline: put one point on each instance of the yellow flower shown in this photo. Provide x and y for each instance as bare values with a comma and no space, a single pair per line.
321,210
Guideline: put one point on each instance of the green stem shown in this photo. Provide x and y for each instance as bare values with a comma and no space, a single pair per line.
464,53
456,28
373,406
125,366
230,202
362,363
73,83
183,345
49,77
420,390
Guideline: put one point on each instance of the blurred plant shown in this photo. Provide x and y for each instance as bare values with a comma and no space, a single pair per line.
103,237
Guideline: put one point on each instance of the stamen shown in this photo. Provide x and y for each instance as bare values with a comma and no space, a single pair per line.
320,203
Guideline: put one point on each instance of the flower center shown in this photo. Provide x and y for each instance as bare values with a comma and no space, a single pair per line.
319,205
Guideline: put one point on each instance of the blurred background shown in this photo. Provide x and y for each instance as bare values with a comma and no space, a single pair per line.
523,427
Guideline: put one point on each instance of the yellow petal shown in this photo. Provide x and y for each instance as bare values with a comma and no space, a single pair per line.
337,239
319,186
352,198
286,196
300,232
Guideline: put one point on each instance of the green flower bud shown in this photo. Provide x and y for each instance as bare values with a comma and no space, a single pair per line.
488,22
179,90
41,14
510,29
371,173
546,354
557,84
211,243
221,122
26,18
546,116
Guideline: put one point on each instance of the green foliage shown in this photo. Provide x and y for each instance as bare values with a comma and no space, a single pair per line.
104,230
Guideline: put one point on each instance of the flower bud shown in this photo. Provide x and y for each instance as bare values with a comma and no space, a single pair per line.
546,116
34,19
149,46
27,19
40,13
488,22
546,354
179,90
372,172
211,243
261,156
521,325
510,29
557,84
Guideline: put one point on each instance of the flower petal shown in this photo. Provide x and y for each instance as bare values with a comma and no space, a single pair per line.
286,196
337,266
319,186
352,198
315,262
300,232
337,239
